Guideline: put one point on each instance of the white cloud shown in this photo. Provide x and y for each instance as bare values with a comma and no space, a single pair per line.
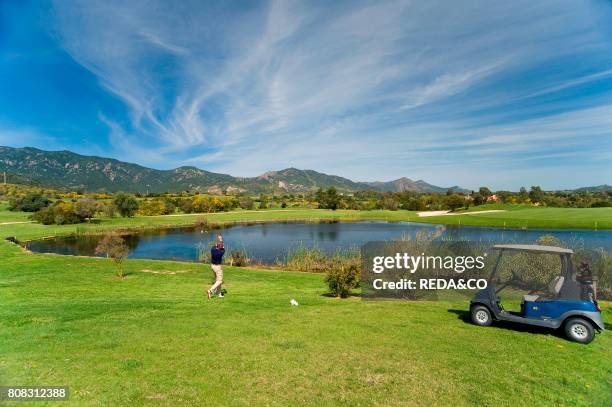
345,88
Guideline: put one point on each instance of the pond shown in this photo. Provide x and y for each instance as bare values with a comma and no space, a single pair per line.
268,243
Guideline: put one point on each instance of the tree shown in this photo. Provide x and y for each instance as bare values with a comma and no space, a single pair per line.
60,213
114,247
389,203
319,196
245,202
185,205
263,201
169,206
523,195
479,199
485,192
331,199
86,208
536,194
31,202
127,205
504,196
454,201
416,204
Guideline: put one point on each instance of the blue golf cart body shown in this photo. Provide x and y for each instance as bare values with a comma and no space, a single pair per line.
569,300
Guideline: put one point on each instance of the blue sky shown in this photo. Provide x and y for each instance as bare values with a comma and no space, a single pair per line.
472,93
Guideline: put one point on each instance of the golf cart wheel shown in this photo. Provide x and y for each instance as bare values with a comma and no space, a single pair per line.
481,315
579,330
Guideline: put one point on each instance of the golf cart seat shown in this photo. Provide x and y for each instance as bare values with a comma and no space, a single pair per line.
555,285
554,288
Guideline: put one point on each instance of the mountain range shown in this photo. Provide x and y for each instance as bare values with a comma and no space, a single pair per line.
597,188
65,169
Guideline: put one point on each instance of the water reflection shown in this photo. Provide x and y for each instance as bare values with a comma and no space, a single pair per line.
267,242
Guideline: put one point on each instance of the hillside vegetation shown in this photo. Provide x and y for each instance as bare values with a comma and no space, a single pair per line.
65,169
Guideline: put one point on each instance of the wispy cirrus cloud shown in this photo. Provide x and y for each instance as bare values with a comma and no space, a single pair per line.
363,89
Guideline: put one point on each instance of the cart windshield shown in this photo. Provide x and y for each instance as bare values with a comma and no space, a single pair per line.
523,276
527,273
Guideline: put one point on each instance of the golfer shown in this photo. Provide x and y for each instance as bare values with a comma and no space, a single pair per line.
216,258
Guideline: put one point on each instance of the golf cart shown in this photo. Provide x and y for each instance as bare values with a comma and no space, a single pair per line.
551,293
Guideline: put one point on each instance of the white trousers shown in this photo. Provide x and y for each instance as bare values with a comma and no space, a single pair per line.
218,278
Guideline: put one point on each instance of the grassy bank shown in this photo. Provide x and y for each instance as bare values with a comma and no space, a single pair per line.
37,231
531,218
9,216
153,339
519,217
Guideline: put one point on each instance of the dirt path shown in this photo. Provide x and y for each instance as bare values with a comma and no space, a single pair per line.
432,213
448,213
15,223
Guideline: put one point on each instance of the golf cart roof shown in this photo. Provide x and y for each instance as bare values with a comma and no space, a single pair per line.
533,248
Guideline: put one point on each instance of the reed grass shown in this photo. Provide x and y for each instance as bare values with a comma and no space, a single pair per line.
316,260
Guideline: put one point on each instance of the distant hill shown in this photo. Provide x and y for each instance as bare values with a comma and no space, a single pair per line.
65,169
406,184
598,188
13,178
292,179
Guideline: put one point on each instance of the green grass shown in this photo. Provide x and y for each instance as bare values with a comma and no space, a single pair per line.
534,217
495,206
154,339
9,216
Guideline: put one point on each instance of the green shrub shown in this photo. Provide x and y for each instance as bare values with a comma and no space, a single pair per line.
87,208
206,204
245,202
44,216
389,203
454,201
61,213
31,202
155,207
109,209
127,205
329,199
239,258
341,278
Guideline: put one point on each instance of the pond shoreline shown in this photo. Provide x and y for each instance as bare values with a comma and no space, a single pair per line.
267,241
132,230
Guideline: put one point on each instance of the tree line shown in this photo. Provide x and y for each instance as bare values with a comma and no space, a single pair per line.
56,207
451,200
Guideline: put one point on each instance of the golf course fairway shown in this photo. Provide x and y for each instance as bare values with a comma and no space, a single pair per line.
153,338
